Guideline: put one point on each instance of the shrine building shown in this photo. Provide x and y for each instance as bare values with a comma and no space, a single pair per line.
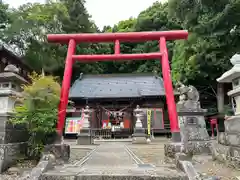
112,99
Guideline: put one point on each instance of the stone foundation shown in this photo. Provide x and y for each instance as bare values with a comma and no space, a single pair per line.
194,137
227,148
60,151
10,153
198,147
226,154
84,138
10,133
139,136
46,163
12,142
139,140
190,149
54,154
183,162
171,149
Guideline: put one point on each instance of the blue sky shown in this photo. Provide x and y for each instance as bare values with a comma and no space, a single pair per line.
105,12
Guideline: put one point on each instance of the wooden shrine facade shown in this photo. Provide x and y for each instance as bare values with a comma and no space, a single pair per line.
119,94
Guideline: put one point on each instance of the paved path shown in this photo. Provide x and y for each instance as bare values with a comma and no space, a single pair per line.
110,154
115,160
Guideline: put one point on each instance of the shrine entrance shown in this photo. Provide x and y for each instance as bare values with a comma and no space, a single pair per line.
162,36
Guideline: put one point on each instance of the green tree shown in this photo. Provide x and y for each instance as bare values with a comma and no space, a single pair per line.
38,111
4,20
4,15
154,18
78,18
28,29
205,56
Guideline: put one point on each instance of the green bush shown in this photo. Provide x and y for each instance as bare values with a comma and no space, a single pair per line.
38,111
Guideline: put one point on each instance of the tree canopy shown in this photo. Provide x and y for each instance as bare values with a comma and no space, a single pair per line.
213,39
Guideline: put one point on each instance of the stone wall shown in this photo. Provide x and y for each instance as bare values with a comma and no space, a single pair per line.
13,142
15,133
9,153
10,133
227,148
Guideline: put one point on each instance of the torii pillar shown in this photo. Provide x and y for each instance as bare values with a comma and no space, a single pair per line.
162,36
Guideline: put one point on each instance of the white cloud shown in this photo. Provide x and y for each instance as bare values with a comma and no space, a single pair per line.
105,12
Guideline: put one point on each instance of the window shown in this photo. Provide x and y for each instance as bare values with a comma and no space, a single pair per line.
14,86
5,85
16,104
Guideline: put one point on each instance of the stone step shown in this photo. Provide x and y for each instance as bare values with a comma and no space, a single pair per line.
112,161
101,141
103,173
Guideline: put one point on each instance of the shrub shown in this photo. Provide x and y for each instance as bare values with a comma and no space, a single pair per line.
38,111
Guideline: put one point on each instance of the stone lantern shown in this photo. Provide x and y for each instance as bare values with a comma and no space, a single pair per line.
84,136
139,135
10,91
231,137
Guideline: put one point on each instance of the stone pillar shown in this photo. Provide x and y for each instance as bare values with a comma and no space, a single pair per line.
230,139
12,138
84,136
194,135
220,97
139,135
10,90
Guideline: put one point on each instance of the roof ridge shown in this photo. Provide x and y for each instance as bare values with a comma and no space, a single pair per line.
118,75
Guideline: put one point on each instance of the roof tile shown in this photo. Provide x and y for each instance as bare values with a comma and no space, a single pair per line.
117,86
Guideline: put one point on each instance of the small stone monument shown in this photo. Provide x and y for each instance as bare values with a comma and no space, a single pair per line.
84,136
191,120
230,139
194,135
139,135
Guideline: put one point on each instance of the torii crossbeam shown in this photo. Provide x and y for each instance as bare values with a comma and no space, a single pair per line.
162,36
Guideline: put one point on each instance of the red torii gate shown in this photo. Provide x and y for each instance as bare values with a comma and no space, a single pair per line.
162,36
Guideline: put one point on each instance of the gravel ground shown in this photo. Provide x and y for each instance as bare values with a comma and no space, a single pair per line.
15,172
77,153
154,154
205,165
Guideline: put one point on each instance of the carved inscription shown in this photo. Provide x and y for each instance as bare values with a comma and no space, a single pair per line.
192,121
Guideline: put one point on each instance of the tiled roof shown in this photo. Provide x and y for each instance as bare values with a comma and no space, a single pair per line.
17,56
117,86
